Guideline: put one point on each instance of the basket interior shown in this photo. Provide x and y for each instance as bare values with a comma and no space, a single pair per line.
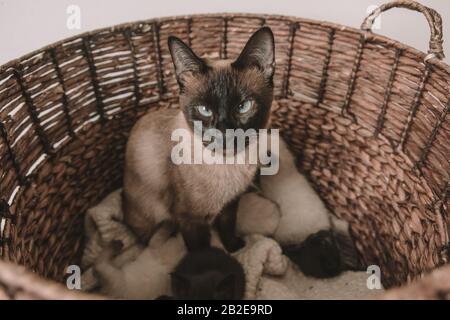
367,119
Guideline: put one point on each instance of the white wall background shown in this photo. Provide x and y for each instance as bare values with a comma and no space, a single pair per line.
26,25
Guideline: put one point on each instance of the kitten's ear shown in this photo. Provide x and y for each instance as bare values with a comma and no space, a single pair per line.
259,52
226,287
184,59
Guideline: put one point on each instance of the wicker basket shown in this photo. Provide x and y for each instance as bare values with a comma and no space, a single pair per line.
366,115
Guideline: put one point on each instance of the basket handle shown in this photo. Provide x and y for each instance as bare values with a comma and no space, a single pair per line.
433,18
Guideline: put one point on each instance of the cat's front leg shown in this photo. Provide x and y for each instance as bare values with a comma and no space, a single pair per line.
143,213
140,225
226,227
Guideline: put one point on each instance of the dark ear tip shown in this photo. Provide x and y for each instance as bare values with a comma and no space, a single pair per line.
172,39
265,30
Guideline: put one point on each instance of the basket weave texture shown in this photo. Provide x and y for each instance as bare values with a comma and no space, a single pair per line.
366,116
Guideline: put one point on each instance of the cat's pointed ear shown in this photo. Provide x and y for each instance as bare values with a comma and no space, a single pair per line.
259,52
184,59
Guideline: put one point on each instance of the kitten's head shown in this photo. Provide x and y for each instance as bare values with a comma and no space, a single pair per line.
227,94
207,274
211,285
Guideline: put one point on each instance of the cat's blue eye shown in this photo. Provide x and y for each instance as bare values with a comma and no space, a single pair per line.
204,111
245,106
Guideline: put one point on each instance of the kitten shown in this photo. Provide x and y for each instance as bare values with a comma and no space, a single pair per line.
302,211
207,273
304,231
147,276
221,94
318,256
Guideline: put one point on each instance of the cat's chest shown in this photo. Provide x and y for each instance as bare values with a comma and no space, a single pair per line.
209,187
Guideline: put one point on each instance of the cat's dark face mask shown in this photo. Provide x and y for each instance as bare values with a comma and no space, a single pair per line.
227,94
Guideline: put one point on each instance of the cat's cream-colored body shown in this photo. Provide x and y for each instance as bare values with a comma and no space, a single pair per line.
156,189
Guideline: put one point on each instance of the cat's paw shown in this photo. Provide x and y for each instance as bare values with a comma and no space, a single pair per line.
169,226
165,230
318,256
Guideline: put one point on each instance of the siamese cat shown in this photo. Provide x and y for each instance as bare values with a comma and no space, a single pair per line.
220,94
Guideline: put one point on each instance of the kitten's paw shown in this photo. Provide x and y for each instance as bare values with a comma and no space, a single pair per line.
318,256
196,235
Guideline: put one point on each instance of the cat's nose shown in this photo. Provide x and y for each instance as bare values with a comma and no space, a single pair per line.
224,125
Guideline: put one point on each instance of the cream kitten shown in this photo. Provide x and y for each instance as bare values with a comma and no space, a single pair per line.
147,276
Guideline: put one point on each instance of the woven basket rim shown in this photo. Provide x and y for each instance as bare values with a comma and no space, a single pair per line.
388,41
